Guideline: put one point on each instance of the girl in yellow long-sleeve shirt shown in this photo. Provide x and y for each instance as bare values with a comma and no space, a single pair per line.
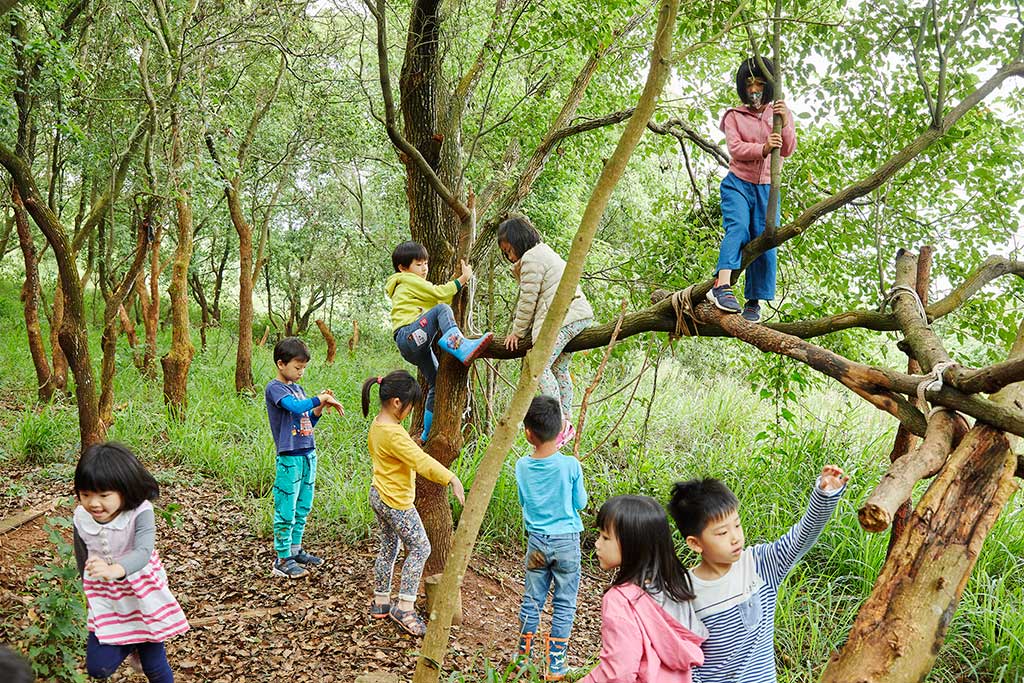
396,461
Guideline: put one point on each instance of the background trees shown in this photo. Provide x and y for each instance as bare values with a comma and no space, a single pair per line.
251,166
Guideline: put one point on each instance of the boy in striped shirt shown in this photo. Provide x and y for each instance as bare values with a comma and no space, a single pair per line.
737,586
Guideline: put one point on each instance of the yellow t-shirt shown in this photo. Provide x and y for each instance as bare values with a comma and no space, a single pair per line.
396,460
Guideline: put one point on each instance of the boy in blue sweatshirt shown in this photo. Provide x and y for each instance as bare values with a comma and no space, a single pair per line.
292,418
552,494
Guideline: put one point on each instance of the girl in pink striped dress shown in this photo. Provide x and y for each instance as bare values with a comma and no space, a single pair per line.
131,610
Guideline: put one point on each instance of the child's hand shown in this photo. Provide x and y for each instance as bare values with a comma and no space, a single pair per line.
327,400
458,491
832,478
467,272
511,342
774,140
779,107
99,569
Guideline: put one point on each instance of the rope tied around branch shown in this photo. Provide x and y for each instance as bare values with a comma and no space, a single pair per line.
895,291
933,380
682,305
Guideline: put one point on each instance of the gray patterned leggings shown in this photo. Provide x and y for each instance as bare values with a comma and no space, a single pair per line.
398,527
555,380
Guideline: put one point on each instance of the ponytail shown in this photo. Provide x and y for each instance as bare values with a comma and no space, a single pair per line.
396,384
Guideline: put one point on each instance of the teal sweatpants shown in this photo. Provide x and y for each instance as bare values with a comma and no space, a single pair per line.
293,499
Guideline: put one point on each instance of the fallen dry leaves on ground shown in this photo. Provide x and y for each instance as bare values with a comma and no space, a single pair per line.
249,627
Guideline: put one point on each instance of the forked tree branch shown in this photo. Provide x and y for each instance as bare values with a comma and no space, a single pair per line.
390,119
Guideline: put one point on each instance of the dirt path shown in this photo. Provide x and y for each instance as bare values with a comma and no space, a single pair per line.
250,627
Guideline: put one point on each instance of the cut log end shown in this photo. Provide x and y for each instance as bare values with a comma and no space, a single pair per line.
874,518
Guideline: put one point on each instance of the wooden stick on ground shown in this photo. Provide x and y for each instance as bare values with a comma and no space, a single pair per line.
26,516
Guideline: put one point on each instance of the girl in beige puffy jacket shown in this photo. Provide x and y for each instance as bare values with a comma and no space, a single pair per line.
539,269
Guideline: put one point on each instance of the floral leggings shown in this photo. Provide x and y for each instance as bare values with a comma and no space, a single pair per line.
555,380
398,527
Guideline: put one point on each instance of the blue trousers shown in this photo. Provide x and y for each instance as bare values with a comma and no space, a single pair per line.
415,342
551,560
744,211
101,661
293,499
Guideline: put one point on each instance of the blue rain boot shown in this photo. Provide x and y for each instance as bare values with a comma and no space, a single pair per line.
428,419
522,658
557,667
466,350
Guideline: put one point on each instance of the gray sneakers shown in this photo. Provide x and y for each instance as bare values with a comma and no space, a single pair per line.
288,568
752,311
723,299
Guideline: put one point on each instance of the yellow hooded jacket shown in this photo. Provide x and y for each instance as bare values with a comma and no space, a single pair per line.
411,295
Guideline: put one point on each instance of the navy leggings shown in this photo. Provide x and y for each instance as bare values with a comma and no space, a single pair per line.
101,661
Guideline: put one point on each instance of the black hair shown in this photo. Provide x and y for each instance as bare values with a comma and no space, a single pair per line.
290,348
13,667
396,384
407,252
750,68
649,558
519,232
544,418
111,466
698,502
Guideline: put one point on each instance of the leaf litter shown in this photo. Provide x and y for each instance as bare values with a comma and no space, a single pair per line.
249,627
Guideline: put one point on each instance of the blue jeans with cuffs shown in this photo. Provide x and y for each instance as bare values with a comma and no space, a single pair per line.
744,212
551,560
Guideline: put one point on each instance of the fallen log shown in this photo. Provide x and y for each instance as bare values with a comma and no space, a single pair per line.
945,430
26,516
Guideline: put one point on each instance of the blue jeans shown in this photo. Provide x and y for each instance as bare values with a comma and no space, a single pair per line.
744,211
101,661
415,343
551,559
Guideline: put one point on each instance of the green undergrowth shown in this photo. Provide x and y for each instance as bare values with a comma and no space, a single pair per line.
702,422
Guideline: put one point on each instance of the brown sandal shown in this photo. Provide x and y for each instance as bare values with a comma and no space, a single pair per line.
408,621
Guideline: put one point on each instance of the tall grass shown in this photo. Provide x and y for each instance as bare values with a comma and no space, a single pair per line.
703,422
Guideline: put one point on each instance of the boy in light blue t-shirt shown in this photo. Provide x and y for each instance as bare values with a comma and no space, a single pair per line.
551,492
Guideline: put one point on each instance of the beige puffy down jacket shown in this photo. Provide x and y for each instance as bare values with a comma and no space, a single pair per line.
539,272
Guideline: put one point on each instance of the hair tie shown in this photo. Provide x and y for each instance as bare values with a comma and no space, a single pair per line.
380,380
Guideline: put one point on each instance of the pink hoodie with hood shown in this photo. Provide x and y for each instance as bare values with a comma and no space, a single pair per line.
746,131
641,642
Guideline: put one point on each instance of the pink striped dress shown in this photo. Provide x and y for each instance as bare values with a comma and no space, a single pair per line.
138,608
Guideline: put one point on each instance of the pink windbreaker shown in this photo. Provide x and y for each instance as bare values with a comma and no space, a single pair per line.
641,643
745,134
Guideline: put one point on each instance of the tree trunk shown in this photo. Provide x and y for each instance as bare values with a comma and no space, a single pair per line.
902,625
60,361
332,344
178,359
149,301
435,643
30,300
433,224
353,341
204,308
904,439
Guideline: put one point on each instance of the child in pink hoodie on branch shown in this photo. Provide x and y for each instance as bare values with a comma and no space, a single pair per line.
649,631
748,133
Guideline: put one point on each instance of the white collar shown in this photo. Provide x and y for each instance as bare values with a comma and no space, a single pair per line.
85,523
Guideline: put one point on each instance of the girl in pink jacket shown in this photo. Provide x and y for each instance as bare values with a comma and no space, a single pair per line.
749,136
649,632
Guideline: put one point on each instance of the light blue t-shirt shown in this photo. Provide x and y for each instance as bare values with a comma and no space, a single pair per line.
552,494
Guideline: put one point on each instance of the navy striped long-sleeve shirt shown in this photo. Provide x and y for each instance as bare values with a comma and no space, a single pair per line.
738,608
